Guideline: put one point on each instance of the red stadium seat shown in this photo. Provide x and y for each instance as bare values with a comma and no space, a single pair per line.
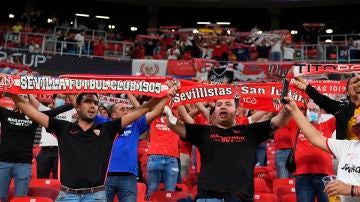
31,199
179,187
271,163
33,169
282,183
266,197
262,186
270,147
47,192
194,191
43,192
267,172
182,187
141,191
288,198
168,196
192,179
281,191
53,183
36,151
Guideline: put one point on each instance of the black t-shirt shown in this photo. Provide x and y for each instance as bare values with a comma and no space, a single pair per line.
84,155
218,75
18,134
227,157
17,137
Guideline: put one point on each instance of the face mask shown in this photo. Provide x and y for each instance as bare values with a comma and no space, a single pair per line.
59,102
314,117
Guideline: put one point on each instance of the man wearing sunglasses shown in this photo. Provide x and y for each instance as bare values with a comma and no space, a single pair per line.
84,146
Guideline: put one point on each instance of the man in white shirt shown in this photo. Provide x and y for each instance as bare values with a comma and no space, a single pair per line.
288,53
47,159
80,39
275,51
173,53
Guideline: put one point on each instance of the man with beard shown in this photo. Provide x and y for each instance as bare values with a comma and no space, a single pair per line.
228,151
85,147
47,159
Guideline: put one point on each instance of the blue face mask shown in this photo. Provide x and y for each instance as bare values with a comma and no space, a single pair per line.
59,102
314,117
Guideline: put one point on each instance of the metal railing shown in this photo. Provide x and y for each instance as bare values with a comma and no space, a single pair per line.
118,48
50,44
67,48
25,38
337,38
331,53
94,34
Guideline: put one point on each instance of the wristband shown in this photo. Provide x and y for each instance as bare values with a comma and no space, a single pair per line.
352,190
172,118
167,111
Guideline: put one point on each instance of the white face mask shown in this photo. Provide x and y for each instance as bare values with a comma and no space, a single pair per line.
312,116
59,102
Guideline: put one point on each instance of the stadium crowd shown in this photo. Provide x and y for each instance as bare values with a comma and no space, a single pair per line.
210,150
140,149
210,42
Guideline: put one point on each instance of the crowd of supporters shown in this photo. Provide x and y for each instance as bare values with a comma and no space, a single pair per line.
225,44
208,150
195,150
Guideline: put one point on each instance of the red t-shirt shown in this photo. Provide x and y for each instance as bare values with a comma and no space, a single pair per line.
185,147
200,119
283,136
163,141
310,159
217,51
99,49
225,49
242,120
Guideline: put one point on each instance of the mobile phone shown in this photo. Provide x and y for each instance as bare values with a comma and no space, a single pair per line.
284,91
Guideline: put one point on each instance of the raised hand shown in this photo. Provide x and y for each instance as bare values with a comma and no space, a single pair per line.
174,86
354,85
337,187
301,83
290,105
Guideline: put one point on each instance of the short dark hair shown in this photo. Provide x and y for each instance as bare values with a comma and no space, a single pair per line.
236,101
112,108
81,95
